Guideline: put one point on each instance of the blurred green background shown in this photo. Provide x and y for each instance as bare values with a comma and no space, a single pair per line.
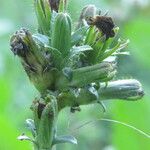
16,92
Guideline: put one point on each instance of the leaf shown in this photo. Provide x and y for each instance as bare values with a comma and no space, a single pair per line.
65,139
78,49
41,39
41,17
121,53
31,126
24,137
56,55
47,9
123,44
61,6
111,59
91,36
120,45
78,35
68,73
99,44
92,90
110,40
107,43
53,16
75,91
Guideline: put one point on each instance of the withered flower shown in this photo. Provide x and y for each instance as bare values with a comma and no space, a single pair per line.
54,4
104,24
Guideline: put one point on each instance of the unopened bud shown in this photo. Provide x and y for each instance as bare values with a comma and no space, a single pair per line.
122,89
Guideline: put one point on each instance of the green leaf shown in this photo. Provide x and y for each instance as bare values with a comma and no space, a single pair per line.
24,137
120,45
56,56
61,6
40,16
43,14
65,139
47,9
80,49
99,44
93,91
31,126
110,40
68,73
91,36
121,53
97,49
78,35
41,39
106,45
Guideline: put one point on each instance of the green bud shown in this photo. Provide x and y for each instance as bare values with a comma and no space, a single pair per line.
80,77
122,89
61,34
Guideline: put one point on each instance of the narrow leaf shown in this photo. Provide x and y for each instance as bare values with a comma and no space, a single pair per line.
41,18
61,6
65,139
120,45
31,126
41,39
79,49
24,137
78,35
121,53
56,56
68,73
90,35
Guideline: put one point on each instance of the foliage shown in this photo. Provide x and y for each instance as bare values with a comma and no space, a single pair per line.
12,83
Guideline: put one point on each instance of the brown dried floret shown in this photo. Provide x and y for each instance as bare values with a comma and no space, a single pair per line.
104,24
54,4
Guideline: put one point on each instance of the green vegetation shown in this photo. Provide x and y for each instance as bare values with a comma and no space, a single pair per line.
63,68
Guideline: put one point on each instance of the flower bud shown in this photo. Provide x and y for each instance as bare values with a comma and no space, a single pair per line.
122,89
61,34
